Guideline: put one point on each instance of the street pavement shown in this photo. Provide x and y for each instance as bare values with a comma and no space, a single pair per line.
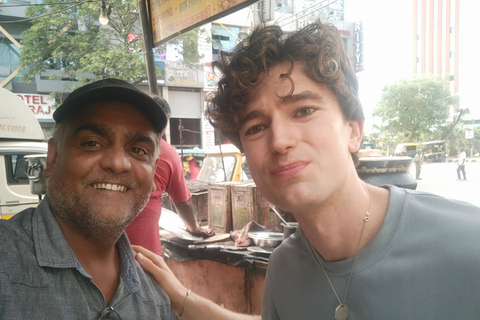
441,179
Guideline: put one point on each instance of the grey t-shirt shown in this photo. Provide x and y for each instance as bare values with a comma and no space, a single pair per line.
423,264
41,278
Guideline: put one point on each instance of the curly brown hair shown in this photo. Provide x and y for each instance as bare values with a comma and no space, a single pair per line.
319,46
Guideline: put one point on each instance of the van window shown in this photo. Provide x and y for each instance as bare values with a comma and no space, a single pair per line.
16,169
212,168
245,170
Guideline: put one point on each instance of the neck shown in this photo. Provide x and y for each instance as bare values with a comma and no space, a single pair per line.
334,229
99,259
80,242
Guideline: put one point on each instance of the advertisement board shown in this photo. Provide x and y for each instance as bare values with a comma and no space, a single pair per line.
171,18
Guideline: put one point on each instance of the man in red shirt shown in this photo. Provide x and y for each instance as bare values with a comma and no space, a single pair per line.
193,167
144,229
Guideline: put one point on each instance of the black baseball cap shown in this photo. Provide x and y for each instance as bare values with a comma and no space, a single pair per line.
113,90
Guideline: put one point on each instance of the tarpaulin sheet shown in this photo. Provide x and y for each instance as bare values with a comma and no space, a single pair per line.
179,251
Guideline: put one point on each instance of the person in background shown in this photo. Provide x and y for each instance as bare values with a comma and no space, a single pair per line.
144,230
418,164
462,158
69,258
193,167
290,103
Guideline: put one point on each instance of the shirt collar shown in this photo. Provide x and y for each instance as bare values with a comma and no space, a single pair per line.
54,251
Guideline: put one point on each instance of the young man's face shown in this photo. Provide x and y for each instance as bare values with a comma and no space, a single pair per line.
101,173
298,148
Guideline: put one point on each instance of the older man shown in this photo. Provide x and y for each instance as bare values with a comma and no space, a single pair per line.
69,258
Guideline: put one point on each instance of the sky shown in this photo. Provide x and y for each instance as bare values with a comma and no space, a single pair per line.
388,49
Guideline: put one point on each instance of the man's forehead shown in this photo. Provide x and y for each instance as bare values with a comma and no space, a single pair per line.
111,115
105,110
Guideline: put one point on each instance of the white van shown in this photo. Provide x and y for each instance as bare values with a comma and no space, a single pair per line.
20,136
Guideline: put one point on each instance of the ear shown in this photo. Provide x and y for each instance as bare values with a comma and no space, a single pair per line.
51,157
356,135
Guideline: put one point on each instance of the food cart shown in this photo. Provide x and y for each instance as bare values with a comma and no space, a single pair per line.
215,268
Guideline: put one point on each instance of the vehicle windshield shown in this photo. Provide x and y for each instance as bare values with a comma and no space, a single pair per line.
212,168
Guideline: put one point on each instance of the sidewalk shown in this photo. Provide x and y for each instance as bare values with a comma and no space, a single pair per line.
471,159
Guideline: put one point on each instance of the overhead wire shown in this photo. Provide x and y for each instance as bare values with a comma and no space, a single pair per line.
75,3
42,15
43,4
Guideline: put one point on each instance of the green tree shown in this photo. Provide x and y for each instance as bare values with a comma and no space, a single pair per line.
457,139
414,110
67,36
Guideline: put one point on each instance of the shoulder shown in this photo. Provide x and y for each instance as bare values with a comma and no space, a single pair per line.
18,260
17,228
169,159
424,196
437,210
150,290
167,150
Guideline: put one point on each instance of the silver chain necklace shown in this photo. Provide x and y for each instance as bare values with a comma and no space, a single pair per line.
342,311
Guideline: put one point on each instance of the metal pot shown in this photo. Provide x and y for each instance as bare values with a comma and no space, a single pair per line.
289,229
266,239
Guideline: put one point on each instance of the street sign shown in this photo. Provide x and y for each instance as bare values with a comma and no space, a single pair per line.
173,18
469,134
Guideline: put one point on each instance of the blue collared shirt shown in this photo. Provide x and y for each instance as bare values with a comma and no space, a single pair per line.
41,278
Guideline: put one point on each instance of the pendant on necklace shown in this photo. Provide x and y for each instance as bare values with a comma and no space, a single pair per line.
342,312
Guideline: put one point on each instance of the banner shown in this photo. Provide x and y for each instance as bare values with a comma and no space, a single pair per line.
172,18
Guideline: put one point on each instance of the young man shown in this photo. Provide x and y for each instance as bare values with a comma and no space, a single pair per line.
290,102
462,158
69,258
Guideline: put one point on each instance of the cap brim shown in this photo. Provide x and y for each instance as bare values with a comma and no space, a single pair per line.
113,90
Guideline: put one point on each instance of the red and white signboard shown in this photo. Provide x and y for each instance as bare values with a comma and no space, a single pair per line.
40,104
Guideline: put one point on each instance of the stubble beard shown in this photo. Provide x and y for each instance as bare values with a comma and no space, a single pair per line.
88,218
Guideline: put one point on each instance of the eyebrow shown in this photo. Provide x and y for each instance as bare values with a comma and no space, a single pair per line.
249,116
304,95
95,128
105,131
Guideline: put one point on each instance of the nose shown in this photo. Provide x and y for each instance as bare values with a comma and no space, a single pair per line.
116,160
282,136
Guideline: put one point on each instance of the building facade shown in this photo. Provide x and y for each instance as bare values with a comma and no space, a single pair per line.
436,40
184,86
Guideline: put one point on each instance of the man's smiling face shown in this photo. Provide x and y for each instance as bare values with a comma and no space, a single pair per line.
101,171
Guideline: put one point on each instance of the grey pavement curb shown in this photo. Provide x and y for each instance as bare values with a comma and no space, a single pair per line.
468,160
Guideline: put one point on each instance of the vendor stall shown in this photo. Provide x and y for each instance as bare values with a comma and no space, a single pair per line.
231,278
230,275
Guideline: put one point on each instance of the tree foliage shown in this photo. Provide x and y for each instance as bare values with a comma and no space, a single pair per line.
413,110
67,36
457,139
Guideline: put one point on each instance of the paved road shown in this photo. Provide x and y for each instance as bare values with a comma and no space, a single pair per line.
441,178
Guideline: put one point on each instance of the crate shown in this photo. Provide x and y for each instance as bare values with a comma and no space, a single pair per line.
219,207
249,205
241,205
200,206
